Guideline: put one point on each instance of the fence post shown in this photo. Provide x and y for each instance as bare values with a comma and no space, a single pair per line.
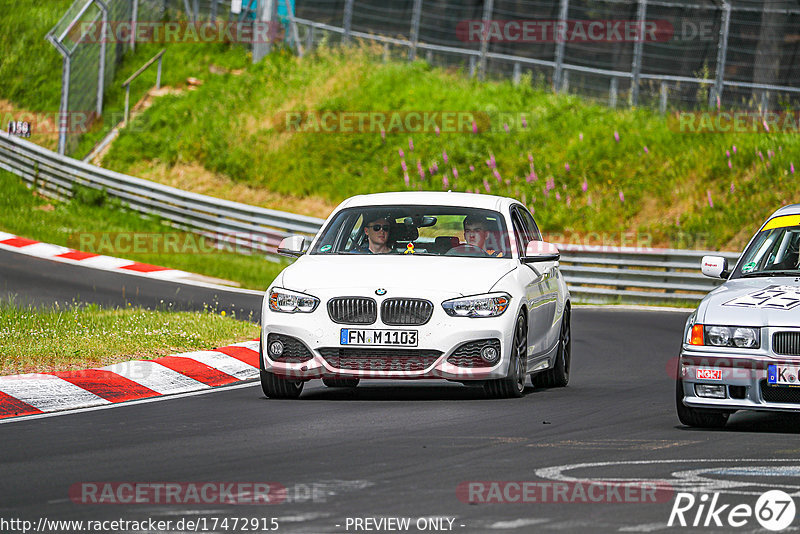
722,50
471,66
636,67
62,111
348,19
662,103
564,82
101,69
612,92
134,19
517,73
415,16
562,20
310,38
196,10
187,8
214,10
488,7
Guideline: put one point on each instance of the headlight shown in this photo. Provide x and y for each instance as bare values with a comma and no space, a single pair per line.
489,305
287,301
742,337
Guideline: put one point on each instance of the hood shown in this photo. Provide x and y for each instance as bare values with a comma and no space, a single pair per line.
769,301
420,274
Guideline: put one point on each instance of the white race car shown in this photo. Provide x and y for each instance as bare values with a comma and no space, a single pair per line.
741,348
418,285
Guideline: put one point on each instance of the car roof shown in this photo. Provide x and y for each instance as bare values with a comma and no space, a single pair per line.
431,198
791,209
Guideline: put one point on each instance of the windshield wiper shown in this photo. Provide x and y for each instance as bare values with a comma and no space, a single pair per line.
772,273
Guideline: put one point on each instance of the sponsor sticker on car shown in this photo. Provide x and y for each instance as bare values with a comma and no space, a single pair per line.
783,375
709,374
372,337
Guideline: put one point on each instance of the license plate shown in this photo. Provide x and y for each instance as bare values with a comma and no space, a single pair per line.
361,336
783,375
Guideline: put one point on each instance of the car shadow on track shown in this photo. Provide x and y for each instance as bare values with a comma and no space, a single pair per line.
404,392
761,422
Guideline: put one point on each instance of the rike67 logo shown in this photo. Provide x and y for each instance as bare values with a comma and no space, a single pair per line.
774,510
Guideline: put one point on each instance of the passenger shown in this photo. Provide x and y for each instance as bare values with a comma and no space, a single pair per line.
477,234
377,230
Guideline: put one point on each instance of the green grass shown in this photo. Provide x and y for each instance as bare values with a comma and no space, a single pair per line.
63,223
229,127
79,337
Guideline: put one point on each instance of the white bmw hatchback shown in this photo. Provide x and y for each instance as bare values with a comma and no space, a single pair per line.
415,285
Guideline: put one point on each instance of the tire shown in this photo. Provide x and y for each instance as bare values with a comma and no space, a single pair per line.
697,417
513,386
558,375
275,386
341,382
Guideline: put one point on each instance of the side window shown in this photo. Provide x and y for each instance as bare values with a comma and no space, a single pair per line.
536,235
519,232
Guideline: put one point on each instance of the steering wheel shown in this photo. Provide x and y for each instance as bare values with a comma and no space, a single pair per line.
466,249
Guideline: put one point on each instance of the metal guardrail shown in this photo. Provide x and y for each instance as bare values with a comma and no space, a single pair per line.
594,274
229,223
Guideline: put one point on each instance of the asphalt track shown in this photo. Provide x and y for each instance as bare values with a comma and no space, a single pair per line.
394,449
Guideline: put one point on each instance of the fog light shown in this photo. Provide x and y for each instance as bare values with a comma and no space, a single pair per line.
276,348
712,391
490,354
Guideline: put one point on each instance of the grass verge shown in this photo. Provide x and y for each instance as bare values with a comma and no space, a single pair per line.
82,337
584,169
26,214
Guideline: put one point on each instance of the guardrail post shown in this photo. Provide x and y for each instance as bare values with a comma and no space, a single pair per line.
134,19
559,59
612,92
764,102
158,73
488,7
517,74
472,66
415,16
214,10
565,81
385,52
636,67
722,50
348,19
127,102
310,38
662,103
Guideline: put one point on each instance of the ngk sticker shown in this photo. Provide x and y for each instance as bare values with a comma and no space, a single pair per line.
709,374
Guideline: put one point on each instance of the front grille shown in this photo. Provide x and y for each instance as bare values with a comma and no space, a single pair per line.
406,312
786,343
353,310
469,354
369,359
293,349
787,394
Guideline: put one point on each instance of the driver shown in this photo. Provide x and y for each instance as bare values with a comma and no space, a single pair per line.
476,232
377,230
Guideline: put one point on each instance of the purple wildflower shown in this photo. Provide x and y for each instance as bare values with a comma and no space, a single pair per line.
734,149
445,181
472,168
616,136
436,129
558,195
455,173
444,155
580,136
621,196
524,123
708,195
497,175
646,151
411,144
486,185
730,165
733,187
383,134
728,153
791,167
566,167
505,127
474,127
585,185
408,182
403,165
402,154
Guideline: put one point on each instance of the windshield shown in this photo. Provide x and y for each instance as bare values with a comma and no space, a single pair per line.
416,230
773,252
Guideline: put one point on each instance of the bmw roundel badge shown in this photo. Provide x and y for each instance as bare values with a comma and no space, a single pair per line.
380,291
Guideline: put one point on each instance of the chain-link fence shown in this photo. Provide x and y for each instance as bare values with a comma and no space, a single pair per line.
680,54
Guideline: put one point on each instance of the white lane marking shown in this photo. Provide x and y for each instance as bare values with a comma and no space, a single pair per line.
631,307
687,481
48,393
222,362
128,403
518,523
645,527
156,377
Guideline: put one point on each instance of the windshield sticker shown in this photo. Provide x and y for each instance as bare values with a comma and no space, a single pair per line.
773,297
409,249
324,248
748,267
784,221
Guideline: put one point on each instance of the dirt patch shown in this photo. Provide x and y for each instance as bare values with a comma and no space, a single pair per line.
197,179
43,123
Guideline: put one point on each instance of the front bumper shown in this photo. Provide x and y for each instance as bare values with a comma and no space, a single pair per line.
437,341
743,377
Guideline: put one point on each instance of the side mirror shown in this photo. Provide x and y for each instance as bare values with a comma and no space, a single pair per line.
715,267
292,246
540,251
